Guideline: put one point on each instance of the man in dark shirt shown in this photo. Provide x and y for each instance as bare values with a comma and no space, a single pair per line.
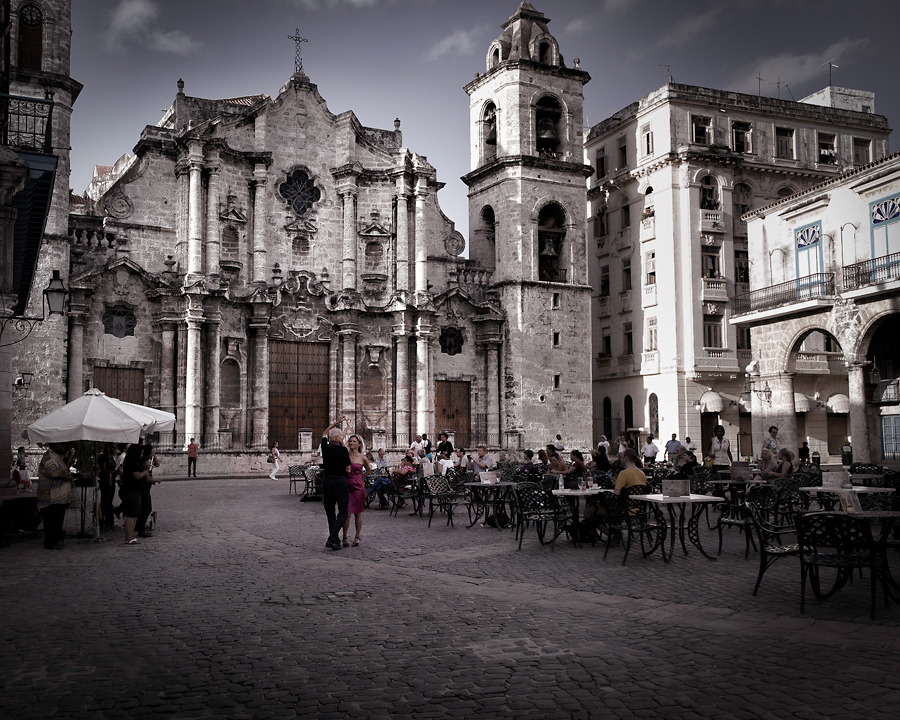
444,445
335,468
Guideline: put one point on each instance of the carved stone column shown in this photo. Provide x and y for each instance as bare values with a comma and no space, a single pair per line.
348,373
859,416
423,379
493,392
168,367
212,219
348,262
421,239
400,331
259,383
213,375
259,225
75,385
195,213
193,391
402,258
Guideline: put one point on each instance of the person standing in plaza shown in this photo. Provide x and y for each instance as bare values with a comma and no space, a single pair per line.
771,442
151,461
672,448
335,468
276,460
135,476
444,445
720,449
649,451
356,486
418,448
690,444
192,449
54,488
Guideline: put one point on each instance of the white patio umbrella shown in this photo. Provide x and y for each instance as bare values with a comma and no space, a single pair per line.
94,416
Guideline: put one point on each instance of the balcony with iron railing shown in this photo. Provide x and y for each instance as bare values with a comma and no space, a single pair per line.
26,123
623,305
871,272
819,286
885,392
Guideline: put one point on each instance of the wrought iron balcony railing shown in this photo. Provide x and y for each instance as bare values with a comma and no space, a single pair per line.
820,285
26,123
870,272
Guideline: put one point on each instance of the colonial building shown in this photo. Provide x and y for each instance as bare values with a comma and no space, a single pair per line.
825,317
261,266
674,173
38,95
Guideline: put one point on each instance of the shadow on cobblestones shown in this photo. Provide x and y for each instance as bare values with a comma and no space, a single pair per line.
236,609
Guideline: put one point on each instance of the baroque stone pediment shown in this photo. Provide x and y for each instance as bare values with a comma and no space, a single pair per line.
300,226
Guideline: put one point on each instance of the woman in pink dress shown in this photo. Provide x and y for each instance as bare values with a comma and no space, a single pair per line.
359,468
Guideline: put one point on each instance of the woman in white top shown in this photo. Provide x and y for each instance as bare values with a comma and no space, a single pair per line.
720,449
772,443
276,456
604,443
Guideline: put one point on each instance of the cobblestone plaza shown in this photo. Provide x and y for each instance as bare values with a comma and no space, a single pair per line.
236,609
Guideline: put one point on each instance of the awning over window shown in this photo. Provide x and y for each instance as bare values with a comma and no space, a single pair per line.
803,403
838,404
711,402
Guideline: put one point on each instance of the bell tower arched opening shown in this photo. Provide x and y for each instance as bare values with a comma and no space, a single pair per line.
552,266
548,116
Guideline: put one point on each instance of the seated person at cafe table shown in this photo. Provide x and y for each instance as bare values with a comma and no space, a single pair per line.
599,460
528,465
686,462
483,462
577,465
772,466
630,476
557,466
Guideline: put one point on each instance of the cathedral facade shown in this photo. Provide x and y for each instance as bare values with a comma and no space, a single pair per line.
261,266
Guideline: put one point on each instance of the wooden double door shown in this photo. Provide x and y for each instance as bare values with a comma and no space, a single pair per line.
298,390
452,410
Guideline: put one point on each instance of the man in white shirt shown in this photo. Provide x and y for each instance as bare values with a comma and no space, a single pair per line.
462,460
381,460
649,451
483,462
418,447
690,445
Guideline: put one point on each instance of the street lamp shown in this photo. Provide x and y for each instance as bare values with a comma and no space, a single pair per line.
55,295
54,301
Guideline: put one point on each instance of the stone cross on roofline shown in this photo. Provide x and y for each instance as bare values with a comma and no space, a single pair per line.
298,61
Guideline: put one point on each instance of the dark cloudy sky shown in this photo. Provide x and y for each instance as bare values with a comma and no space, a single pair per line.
411,58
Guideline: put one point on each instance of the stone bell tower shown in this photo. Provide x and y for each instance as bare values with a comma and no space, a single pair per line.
527,206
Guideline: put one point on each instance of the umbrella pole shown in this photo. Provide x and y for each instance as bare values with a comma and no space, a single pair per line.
96,496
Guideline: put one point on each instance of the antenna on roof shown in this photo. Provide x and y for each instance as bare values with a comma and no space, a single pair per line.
760,78
780,85
787,86
830,65
667,67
